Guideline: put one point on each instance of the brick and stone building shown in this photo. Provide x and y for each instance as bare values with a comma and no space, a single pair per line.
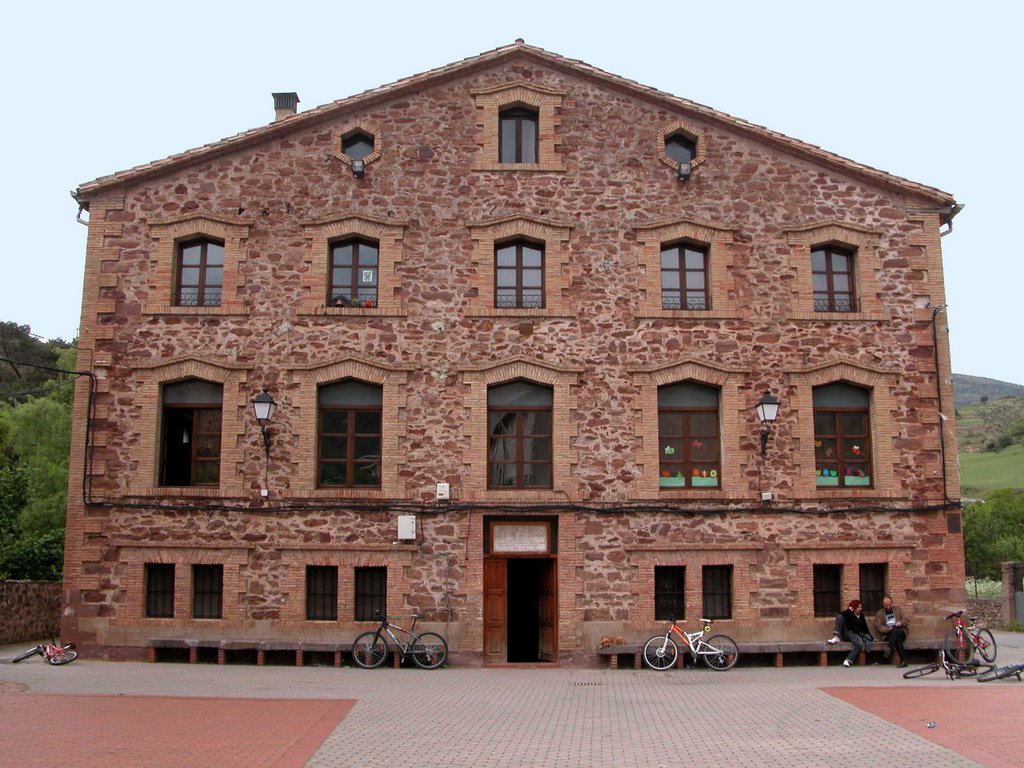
515,314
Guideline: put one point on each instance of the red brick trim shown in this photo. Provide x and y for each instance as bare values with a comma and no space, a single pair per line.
489,104
721,261
564,429
167,234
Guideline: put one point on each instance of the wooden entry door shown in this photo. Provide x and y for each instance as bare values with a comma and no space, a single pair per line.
495,612
547,646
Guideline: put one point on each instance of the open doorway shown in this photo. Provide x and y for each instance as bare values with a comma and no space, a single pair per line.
520,610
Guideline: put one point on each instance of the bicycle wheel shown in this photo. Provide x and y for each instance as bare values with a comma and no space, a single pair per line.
661,653
957,647
998,673
369,650
429,650
985,643
62,657
26,655
927,669
720,653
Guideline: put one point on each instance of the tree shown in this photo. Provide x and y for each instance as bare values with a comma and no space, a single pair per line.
994,532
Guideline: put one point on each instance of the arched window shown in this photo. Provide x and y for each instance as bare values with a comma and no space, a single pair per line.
517,136
353,274
199,279
519,429
842,435
519,275
190,452
688,435
832,278
349,435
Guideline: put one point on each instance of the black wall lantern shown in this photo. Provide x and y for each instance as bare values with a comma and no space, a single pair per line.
768,412
263,406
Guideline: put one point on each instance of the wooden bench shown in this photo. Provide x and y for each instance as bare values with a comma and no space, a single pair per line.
823,649
261,647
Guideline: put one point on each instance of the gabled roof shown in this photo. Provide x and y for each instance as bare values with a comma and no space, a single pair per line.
518,49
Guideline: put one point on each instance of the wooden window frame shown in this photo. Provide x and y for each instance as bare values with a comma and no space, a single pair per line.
519,269
207,591
518,116
669,603
353,299
682,271
159,600
711,591
687,438
863,443
871,589
321,593
194,409
830,301
827,587
351,435
370,592
491,102
204,268
520,437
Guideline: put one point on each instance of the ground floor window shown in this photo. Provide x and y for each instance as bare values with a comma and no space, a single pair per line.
159,579
669,592
322,592
827,589
207,591
717,592
371,593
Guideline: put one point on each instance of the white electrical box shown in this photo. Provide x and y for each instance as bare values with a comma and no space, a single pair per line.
407,527
766,496
444,492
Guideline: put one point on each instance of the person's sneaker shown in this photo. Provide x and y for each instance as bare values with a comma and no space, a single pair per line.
886,654
847,663
902,664
833,640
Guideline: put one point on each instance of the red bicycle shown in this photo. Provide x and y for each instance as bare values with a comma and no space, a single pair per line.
963,640
53,653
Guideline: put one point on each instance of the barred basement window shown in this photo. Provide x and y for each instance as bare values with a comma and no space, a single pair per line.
159,590
322,592
827,586
717,592
371,593
669,592
872,586
207,591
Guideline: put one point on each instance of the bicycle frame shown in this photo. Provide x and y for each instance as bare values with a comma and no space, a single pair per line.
410,634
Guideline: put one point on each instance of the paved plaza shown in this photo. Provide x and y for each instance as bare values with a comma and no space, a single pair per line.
114,714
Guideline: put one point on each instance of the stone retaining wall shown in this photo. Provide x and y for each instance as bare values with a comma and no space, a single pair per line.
29,610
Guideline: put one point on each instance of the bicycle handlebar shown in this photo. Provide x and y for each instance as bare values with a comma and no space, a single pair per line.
956,615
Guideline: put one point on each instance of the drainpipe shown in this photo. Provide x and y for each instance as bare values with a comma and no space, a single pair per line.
938,391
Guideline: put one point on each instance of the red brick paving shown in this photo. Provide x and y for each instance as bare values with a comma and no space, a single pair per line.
982,722
46,730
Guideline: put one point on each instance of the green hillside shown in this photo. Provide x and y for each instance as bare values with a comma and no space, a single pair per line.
981,473
968,390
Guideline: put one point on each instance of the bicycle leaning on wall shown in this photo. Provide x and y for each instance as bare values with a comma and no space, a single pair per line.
428,649
719,652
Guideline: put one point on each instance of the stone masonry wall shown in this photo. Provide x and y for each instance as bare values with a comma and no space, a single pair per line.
602,342
30,610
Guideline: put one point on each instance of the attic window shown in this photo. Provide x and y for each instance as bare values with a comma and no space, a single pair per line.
680,148
357,146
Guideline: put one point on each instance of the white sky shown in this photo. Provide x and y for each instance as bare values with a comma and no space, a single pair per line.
930,91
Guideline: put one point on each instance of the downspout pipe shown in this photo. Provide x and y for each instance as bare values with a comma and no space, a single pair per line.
947,218
938,392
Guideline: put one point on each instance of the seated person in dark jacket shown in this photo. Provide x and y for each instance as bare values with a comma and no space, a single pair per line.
892,626
851,627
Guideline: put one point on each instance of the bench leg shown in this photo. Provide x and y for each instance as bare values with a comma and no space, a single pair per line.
396,659
193,655
298,658
151,655
823,659
221,656
613,661
778,659
637,661
260,657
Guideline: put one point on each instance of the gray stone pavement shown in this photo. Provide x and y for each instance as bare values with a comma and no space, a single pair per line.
537,717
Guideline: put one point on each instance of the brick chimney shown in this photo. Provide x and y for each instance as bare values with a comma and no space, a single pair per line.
285,105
